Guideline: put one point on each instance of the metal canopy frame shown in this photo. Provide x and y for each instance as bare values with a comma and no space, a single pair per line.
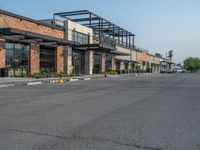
29,37
100,26
95,47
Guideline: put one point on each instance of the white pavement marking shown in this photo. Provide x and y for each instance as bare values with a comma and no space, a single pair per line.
6,85
86,79
53,81
72,80
34,83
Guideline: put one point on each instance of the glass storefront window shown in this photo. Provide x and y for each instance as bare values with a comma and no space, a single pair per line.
97,63
47,59
118,63
108,62
80,37
78,62
17,59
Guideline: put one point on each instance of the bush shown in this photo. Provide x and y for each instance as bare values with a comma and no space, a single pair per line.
37,75
100,72
48,75
62,74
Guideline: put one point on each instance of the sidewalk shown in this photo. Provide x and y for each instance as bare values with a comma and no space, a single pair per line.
9,82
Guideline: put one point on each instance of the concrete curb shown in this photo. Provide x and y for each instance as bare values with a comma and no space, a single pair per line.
33,82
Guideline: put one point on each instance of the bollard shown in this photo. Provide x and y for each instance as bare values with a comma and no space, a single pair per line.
61,81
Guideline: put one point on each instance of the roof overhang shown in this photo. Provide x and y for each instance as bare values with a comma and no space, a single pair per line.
31,37
163,61
117,53
130,61
95,47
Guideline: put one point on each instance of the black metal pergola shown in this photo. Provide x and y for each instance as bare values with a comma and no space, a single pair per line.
100,26
30,37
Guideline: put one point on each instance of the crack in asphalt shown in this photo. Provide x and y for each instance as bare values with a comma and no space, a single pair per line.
74,137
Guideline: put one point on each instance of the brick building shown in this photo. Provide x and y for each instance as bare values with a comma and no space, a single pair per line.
85,45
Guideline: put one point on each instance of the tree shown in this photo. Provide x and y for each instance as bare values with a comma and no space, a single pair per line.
192,64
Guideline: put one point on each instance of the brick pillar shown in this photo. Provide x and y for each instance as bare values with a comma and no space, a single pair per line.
34,59
103,63
60,59
2,54
113,63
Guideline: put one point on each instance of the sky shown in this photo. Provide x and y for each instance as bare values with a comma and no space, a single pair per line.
159,25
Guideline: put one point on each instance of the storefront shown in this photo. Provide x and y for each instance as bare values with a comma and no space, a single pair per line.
78,62
47,59
17,59
97,63
118,64
108,62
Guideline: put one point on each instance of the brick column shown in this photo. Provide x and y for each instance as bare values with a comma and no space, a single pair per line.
103,63
34,59
113,63
2,54
60,59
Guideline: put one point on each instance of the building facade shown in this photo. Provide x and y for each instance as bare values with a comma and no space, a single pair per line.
76,46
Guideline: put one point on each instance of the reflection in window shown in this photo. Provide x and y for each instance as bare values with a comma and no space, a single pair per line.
108,62
17,59
97,63
78,62
47,59
80,37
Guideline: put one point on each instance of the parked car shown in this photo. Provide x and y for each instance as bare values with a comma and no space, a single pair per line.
180,70
163,71
171,70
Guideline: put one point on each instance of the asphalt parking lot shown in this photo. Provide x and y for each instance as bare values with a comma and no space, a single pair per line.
159,112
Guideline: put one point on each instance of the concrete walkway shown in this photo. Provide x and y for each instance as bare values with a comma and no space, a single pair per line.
10,82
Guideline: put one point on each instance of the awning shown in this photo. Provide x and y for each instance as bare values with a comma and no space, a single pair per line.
130,61
166,62
30,37
120,53
95,47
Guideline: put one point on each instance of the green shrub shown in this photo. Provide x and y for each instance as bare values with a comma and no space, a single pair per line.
62,74
37,75
100,72
48,75
22,76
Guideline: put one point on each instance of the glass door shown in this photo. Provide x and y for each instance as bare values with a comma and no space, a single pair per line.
78,62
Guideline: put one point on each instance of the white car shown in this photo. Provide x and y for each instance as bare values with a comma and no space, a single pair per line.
180,71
